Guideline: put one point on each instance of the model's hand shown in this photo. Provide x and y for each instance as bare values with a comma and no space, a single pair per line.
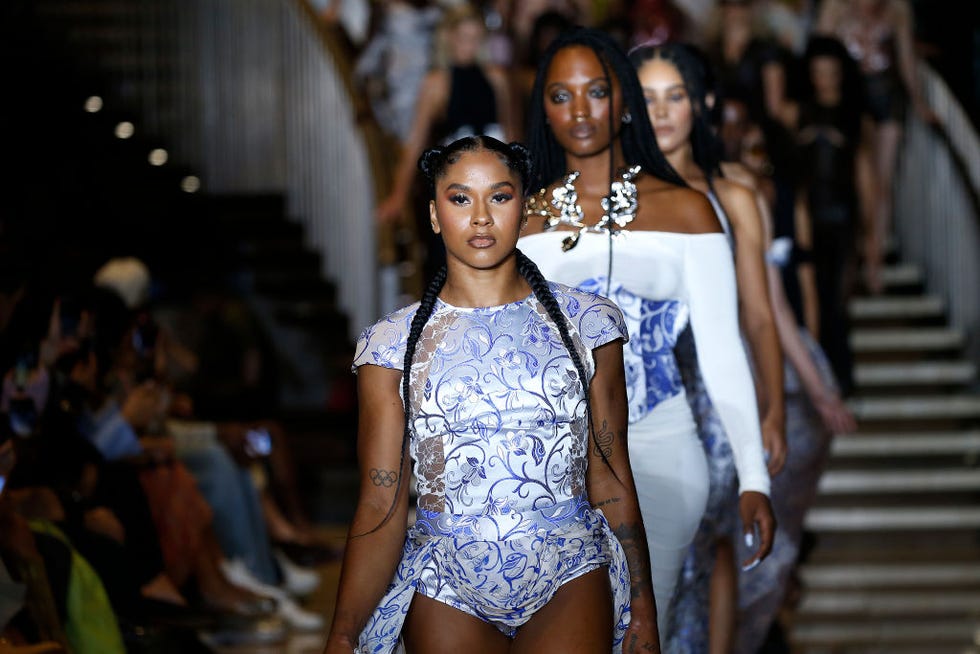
835,415
774,443
758,526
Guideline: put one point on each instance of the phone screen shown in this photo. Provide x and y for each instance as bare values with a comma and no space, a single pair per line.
3,482
258,442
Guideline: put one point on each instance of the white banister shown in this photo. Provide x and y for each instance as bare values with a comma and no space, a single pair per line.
937,192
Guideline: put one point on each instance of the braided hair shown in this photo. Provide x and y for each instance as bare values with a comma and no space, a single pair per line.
637,138
433,164
699,81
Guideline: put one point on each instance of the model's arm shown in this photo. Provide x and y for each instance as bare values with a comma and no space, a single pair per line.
375,543
806,274
611,489
431,98
711,293
751,243
834,414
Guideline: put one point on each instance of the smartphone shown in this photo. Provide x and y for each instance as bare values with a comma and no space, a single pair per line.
22,415
145,336
3,482
258,442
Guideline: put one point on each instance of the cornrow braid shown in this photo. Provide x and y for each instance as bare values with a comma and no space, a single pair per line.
542,292
422,314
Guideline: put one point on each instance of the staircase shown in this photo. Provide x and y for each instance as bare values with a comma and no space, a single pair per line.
896,564
92,195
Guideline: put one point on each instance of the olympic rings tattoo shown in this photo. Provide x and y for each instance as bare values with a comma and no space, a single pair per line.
386,478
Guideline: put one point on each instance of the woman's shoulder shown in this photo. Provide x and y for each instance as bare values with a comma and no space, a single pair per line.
398,320
737,172
383,343
575,300
494,73
595,317
671,208
734,194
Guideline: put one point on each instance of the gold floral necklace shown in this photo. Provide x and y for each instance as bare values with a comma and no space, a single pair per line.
563,208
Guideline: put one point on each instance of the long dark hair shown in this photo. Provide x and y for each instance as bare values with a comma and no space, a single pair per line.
852,98
433,164
699,81
636,137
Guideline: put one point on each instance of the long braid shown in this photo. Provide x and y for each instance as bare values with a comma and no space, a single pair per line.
542,292
419,320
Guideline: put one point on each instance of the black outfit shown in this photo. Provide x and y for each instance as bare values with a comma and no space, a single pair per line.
828,160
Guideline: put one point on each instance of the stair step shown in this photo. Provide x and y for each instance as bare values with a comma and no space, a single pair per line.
878,575
906,339
916,406
931,634
892,444
889,602
901,274
891,308
912,373
837,482
893,518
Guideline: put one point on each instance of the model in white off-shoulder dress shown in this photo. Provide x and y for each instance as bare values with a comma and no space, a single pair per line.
663,282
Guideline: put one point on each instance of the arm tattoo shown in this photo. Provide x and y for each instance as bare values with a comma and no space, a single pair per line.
605,502
386,478
635,646
604,439
630,538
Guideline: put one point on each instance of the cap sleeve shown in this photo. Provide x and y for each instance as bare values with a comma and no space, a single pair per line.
596,319
383,343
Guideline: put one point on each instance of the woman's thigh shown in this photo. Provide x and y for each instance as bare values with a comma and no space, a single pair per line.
434,627
579,618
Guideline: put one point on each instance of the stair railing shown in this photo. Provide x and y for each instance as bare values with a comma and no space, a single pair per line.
937,205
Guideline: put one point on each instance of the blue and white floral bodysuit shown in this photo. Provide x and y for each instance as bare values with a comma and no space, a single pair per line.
499,444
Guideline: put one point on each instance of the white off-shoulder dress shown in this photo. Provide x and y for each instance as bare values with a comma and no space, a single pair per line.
663,282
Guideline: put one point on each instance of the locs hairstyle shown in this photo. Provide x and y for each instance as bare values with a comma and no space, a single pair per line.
699,81
636,137
433,164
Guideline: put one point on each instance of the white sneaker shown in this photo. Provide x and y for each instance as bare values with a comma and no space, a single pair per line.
297,580
292,613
